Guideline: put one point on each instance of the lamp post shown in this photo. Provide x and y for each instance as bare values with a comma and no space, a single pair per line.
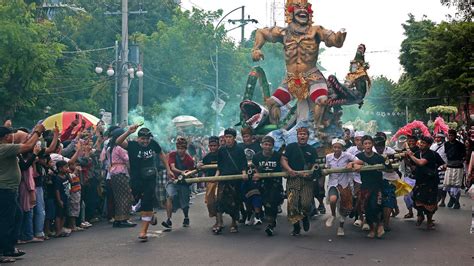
217,64
125,70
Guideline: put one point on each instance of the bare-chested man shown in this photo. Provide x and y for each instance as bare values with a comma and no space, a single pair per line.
301,44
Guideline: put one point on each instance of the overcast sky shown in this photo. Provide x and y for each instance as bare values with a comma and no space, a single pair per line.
376,23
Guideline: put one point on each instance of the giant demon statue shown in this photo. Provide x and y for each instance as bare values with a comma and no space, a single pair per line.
301,45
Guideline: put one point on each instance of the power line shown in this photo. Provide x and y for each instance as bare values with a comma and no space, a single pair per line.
88,51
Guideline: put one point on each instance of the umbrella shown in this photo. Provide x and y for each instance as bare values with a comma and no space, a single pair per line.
64,119
186,121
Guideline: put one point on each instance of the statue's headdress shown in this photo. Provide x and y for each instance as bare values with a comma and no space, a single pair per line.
290,9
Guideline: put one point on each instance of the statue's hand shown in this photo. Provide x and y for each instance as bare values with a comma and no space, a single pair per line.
257,55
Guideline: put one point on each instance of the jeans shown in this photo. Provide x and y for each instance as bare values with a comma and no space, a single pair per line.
26,227
39,213
9,216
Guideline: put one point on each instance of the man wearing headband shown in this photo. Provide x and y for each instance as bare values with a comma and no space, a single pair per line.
231,160
389,200
268,161
297,157
211,187
339,187
178,195
425,192
438,146
143,171
455,153
354,150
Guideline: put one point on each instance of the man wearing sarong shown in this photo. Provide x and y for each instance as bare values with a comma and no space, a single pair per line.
425,192
178,194
231,160
268,161
297,157
455,153
339,189
389,200
371,188
211,187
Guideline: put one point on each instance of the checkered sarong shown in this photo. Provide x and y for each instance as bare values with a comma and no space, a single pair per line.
453,177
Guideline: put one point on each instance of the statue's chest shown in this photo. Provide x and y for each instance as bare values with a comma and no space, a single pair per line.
305,42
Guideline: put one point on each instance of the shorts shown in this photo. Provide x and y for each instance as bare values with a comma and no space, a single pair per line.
180,194
50,209
144,189
74,204
344,196
61,212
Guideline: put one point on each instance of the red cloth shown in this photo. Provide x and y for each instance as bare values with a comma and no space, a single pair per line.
187,162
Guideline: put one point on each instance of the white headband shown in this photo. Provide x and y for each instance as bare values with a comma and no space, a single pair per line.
338,141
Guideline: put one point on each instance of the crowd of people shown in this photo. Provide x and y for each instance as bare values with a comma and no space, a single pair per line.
53,183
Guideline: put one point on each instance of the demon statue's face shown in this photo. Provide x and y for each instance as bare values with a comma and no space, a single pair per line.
299,12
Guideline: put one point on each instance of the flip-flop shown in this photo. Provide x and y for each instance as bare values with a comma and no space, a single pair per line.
408,216
16,253
234,229
7,260
217,230
143,238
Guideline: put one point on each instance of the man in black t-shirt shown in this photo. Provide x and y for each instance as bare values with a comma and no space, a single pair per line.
297,157
230,161
456,154
211,158
371,187
268,161
143,171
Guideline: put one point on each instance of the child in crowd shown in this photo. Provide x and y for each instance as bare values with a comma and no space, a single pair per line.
62,189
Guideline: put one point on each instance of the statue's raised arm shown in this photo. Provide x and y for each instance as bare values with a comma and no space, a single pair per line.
273,35
331,38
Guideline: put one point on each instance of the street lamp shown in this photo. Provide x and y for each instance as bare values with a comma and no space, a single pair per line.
130,71
217,64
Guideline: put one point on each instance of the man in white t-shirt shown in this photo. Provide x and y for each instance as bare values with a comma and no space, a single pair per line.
354,150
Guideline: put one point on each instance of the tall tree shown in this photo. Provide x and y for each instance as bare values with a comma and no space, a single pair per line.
28,54
438,61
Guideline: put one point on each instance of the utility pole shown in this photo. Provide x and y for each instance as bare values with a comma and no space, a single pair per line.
122,67
116,47
140,82
123,70
243,22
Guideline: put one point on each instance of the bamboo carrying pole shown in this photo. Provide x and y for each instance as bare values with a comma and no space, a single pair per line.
281,174
396,157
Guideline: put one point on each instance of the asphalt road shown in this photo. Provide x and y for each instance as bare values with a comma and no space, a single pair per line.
451,243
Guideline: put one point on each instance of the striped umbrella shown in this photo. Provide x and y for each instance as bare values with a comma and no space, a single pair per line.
64,119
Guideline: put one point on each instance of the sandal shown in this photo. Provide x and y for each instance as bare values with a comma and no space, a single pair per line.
16,253
234,229
7,260
430,226
143,238
420,220
217,230
408,216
